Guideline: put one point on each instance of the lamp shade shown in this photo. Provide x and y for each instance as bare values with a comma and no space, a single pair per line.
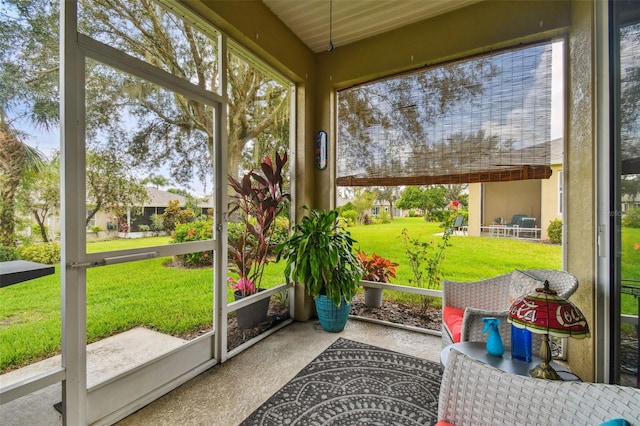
544,312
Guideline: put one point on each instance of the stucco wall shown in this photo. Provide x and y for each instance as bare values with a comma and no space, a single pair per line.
505,199
580,178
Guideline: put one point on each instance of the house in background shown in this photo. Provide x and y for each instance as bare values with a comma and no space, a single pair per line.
537,198
128,225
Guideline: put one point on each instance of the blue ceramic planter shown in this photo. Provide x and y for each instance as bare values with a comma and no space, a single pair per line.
332,318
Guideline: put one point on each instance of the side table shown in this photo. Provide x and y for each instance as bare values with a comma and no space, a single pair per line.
17,271
478,351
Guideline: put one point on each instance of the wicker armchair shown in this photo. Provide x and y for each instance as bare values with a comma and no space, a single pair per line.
474,393
492,298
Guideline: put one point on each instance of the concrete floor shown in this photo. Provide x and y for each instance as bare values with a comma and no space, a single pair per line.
225,394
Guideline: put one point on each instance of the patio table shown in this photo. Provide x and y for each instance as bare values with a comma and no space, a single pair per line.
498,230
17,271
478,351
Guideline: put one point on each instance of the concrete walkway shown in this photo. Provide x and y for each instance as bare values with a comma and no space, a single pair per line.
223,395
105,359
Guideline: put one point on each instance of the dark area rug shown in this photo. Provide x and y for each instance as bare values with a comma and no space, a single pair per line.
353,383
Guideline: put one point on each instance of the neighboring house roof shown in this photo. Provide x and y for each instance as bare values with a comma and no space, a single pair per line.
557,151
160,198
534,155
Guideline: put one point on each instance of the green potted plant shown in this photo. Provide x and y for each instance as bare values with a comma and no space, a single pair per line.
376,269
320,255
258,198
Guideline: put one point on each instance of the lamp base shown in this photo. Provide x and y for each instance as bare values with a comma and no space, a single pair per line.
544,371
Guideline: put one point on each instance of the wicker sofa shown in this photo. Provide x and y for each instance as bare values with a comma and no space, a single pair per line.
464,304
473,393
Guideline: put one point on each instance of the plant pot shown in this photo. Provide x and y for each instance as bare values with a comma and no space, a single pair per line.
373,297
253,315
332,318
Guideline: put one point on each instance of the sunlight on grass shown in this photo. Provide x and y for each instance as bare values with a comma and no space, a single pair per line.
178,301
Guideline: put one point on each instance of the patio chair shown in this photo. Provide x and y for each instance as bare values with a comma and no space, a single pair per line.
464,304
458,225
516,221
527,226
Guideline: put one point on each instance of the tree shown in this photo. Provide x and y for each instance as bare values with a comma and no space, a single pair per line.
630,186
156,180
110,185
413,197
428,199
171,125
457,192
171,130
17,160
389,194
26,92
364,199
39,194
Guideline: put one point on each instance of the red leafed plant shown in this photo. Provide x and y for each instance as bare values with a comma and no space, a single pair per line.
259,197
377,268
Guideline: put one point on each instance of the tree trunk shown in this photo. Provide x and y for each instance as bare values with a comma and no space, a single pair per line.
43,231
12,163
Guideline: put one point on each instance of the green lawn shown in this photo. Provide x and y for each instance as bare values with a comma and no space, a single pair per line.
177,301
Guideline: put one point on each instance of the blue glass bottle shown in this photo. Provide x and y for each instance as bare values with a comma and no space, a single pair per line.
520,343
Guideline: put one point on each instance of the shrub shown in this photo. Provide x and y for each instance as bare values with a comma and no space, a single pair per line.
175,215
157,223
554,231
280,232
194,231
7,254
385,217
235,230
143,228
350,216
346,207
632,218
96,230
48,253
425,258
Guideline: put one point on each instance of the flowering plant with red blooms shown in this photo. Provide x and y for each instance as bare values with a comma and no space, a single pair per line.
455,204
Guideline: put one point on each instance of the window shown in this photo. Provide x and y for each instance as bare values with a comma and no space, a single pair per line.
560,191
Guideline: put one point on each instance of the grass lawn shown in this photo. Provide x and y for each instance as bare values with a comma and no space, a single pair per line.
178,301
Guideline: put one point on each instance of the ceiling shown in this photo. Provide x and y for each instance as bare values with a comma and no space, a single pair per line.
354,20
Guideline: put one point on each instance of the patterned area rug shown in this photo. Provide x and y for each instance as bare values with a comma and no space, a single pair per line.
353,383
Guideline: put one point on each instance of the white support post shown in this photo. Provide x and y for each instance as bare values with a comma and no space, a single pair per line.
220,154
72,189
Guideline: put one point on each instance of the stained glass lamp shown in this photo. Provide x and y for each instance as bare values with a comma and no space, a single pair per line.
544,312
